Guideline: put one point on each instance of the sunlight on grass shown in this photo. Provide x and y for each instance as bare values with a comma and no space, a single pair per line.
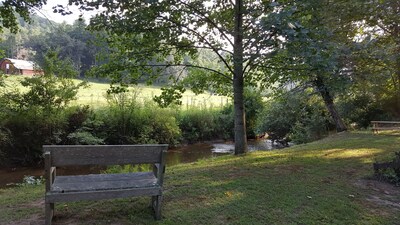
95,94
365,153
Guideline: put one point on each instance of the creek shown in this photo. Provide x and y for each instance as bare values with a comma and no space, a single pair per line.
184,154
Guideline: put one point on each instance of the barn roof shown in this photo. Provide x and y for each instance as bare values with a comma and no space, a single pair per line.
22,64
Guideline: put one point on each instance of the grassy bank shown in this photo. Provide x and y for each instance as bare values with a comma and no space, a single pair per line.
324,182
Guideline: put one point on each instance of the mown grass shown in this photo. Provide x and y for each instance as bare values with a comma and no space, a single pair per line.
95,94
316,183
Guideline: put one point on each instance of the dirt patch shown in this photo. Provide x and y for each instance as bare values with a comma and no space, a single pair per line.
381,193
33,220
35,204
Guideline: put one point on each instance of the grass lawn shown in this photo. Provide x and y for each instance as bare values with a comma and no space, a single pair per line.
94,94
325,182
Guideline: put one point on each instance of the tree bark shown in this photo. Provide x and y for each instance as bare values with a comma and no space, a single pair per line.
238,82
397,69
330,105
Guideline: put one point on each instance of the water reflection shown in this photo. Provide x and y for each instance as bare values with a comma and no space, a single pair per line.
194,152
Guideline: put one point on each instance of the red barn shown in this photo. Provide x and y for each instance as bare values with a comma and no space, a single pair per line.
17,66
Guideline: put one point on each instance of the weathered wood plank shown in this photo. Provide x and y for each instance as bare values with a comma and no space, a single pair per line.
99,182
386,128
386,122
105,177
67,155
97,195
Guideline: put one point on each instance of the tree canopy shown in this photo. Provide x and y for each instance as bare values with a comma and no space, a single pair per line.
9,9
242,34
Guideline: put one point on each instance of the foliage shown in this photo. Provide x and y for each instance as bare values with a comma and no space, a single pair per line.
254,105
10,8
360,110
130,122
392,172
299,117
73,42
29,130
241,35
200,125
34,117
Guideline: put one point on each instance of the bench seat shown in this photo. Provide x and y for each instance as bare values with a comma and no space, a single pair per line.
102,186
99,182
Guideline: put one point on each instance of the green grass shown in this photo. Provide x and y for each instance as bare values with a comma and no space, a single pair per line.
94,95
325,182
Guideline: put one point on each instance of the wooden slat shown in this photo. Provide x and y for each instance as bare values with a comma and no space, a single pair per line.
386,122
386,128
100,182
68,155
97,195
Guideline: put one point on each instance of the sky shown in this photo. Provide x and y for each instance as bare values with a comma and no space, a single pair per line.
47,12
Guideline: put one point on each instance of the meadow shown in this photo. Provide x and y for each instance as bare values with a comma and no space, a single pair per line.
94,94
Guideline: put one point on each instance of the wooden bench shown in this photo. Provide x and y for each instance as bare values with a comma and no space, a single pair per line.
385,125
103,186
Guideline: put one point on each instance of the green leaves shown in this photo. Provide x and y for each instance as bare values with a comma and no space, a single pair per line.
9,9
170,95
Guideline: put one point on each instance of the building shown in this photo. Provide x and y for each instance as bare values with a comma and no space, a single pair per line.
18,67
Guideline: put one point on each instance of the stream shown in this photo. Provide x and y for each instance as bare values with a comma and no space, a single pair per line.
184,154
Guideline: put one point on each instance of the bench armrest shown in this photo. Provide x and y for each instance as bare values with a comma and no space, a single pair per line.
159,172
50,171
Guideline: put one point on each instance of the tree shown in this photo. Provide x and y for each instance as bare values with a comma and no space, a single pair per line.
71,41
379,58
318,50
9,9
241,33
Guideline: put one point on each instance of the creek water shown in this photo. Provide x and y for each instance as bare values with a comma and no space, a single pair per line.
184,154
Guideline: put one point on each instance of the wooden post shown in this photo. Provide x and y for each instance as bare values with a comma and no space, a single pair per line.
49,207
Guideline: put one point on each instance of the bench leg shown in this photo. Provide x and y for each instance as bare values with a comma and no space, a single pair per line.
156,203
49,212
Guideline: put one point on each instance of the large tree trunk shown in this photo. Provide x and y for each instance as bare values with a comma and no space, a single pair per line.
330,105
238,82
397,68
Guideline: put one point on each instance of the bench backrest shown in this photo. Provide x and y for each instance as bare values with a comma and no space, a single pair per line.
77,155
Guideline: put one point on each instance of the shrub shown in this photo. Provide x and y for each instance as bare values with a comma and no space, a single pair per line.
30,130
128,121
199,125
294,116
389,171
361,110
253,104
34,117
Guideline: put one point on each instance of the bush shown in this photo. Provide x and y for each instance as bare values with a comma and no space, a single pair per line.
361,110
128,121
199,125
30,130
253,104
294,116
389,171
32,118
